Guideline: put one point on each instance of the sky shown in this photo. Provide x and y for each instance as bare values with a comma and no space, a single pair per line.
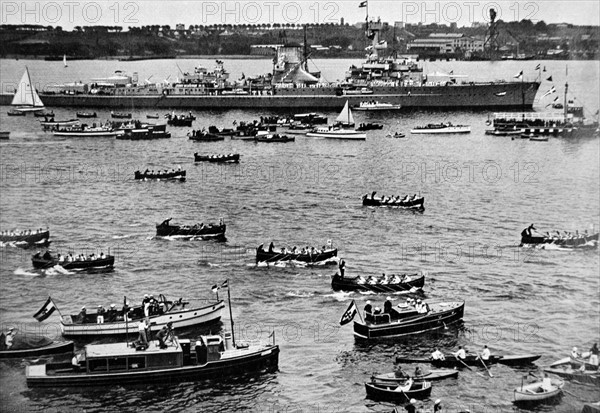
71,13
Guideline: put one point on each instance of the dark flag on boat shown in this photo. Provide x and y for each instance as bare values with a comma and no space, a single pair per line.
215,288
363,4
549,92
537,67
520,75
349,314
46,311
225,284
549,79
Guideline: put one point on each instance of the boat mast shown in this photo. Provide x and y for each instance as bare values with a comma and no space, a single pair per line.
230,315
305,57
30,87
565,108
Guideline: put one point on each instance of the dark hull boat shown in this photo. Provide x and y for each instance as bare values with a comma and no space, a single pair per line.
205,232
43,347
389,392
232,157
473,360
383,326
562,242
274,138
122,364
413,204
120,115
173,176
369,126
266,256
432,375
182,122
339,283
86,115
15,113
38,238
41,263
43,114
206,137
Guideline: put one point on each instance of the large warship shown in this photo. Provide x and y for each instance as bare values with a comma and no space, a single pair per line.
384,76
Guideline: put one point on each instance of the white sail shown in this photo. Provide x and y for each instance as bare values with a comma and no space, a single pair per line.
65,60
26,95
345,116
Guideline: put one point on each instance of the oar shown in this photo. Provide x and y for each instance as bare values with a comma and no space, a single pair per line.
464,364
482,362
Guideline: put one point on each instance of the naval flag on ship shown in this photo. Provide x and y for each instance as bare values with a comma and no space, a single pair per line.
46,310
349,314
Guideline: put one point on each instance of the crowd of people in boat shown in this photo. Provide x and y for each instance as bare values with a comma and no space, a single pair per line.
592,357
461,354
556,236
410,305
17,232
107,126
384,279
69,258
294,250
159,174
393,199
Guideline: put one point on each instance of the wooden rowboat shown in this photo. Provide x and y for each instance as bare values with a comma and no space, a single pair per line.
537,393
395,393
53,347
473,360
432,375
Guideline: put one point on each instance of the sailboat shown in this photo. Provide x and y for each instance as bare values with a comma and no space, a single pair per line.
65,60
26,98
338,130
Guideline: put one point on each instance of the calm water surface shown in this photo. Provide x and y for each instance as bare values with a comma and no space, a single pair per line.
480,192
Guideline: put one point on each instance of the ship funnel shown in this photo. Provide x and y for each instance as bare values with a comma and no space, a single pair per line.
228,343
134,78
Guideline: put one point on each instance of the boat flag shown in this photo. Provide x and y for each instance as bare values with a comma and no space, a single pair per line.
215,288
549,79
363,4
349,314
520,75
549,92
537,67
46,310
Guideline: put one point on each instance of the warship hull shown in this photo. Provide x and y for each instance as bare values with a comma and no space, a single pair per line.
500,95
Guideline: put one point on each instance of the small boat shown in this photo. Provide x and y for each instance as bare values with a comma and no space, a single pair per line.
86,114
145,132
570,241
272,256
123,363
395,283
374,105
229,158
274,138
501,132
398,393
185,121
13,112
33,238
576,363
586,377
48,261
205,137
182,313
148,116
341,128
120,115
369,126
528,135
59,123
409,321
473,360
65,61
209,231
441,128
538,138
44,114
83,131
397,135
165,176
26,98
394,202
26,345
4,135
431,375
538,392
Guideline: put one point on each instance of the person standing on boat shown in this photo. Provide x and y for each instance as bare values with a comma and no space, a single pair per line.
594,353
368,308
9,338
100,314
342,267
387,306
143,332
164,334
81,315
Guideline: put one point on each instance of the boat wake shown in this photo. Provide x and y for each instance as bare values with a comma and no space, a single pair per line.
57,269
20,271
122,236
299,294
339,296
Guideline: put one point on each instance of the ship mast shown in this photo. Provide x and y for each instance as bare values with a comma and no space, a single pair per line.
305,57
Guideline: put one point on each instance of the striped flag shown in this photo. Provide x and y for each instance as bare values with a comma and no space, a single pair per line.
549,92
537,67
349,314
363,4
520,75
46,310
225,284
215,288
